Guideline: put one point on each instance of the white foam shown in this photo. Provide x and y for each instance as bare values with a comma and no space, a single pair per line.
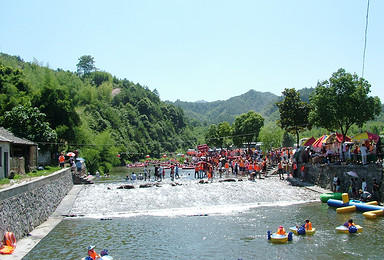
189,198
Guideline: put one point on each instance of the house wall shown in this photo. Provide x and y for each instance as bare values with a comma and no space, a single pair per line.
4,159
26,206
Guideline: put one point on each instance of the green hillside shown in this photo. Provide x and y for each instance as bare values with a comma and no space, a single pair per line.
96,113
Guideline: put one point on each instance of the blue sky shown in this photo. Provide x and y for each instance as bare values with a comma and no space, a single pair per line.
202,49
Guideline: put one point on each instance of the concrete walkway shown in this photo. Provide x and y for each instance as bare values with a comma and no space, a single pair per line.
26,244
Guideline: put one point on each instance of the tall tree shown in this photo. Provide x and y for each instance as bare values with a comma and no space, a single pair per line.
293,113
271,136
212,136
224,132
86,65
342,101
28,122
247,127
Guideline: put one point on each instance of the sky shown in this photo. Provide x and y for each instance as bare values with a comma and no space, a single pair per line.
210,50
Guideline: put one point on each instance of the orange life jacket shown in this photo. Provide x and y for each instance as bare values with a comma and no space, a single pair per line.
92,253
280,165
10,244
308,226
281,231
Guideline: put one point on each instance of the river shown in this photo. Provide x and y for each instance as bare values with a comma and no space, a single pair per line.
218,220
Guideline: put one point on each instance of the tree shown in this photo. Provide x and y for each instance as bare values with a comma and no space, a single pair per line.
86,65
271,136
293,113
28,122
247,127
224,132
212,136
342,101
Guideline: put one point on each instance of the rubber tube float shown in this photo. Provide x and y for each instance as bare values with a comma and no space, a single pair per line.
363,207
372,202
373,214
346,209
279,239
324,197
307,232
345,197
344,230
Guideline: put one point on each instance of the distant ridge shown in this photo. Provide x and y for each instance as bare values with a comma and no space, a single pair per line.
218,111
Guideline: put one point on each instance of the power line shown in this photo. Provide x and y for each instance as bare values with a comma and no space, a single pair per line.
365,39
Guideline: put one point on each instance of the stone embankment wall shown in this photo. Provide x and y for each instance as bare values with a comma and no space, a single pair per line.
322,175
24,207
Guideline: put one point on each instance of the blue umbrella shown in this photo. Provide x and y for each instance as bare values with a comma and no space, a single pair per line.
80,159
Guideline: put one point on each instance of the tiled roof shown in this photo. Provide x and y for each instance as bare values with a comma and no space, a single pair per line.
6,136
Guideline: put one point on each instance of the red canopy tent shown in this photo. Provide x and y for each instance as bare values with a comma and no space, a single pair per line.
309,142
366,136
319,141
336,137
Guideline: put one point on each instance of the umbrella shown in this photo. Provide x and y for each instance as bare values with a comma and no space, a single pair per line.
80,159
353,174
366,136
71,154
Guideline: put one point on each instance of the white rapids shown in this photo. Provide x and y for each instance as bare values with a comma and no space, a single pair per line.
188,198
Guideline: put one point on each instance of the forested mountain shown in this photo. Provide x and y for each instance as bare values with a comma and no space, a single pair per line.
110,120
263,103
99,115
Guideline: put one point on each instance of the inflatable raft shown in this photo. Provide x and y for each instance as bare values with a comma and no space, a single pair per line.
279,239
345,230
324,197
307,232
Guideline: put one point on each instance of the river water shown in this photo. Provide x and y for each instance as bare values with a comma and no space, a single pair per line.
227,220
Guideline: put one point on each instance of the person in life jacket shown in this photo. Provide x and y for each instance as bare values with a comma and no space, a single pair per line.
9,244
280,169
308,225
92,253
350,223
280,231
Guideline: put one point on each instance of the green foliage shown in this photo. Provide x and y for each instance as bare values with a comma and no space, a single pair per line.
342,101
97,114
28,122
225,134
212,137
85,65
288,140
227,110
99,77
271,136
293,113
13,88
246,128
